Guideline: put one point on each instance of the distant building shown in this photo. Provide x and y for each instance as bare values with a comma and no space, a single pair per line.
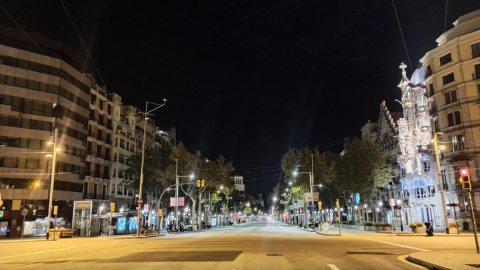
168,137
238,180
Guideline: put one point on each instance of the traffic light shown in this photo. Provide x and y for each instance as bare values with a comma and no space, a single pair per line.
465,178
159,212
112,206
203,183
198,183
319,205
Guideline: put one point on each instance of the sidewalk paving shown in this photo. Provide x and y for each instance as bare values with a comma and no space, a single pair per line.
444,260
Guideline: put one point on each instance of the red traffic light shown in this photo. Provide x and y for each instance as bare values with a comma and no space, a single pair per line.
464,172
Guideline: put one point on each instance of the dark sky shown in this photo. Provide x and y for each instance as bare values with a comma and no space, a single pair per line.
249,79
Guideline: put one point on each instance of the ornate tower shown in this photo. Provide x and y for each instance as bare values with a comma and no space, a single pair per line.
414,128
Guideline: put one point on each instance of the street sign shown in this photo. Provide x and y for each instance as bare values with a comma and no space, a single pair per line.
308,196
24,212
181,201
55,209
139,201
311,207
392,202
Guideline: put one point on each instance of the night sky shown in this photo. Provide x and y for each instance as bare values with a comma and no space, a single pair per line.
249,79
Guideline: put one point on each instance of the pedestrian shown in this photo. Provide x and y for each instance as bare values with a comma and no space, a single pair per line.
429,228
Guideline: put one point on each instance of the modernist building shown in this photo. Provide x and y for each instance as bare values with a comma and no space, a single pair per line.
420,184
453,87
40,93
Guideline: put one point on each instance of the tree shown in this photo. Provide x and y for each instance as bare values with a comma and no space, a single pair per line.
184,164
363,168
155,178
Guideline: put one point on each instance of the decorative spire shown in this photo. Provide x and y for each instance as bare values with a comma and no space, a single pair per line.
404,80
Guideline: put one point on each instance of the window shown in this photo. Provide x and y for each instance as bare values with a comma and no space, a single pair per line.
476,50
477,72
447,98
458,143
451,97
432,90
445,59
429,71
457,118
454,95
448,78
119,190
450,120
454,118
85,190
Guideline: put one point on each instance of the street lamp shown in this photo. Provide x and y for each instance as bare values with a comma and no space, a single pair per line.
440,179
147,112
52,178
177,178
311,192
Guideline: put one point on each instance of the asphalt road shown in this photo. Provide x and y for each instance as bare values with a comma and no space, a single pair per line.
257,245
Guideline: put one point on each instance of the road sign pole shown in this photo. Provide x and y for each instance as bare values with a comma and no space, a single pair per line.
23,228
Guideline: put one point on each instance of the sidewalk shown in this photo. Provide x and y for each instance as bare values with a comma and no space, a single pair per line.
444,260
454,260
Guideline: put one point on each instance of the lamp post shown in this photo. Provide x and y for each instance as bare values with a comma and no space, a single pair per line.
440,179
147,112
52,179
177,184
311,193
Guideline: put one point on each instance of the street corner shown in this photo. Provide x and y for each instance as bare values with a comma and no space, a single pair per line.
444,260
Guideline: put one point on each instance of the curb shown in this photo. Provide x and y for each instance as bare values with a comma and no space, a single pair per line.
426,264
329,234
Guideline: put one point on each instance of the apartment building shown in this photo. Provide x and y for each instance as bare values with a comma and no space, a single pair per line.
40,93
453,87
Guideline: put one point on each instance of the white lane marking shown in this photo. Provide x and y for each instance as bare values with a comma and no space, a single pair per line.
282,228
398,245
333,267
46,251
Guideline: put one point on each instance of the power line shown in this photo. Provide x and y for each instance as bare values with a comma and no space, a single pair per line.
81,40
401,33
445,24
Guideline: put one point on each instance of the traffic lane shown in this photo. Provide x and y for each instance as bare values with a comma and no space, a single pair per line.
234,252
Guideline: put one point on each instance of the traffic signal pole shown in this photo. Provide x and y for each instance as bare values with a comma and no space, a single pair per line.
473,218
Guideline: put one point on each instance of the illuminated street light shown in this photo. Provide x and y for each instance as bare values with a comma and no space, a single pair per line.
147,112
52,178
295,173
440,179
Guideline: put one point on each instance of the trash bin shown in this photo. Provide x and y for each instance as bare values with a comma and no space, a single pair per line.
465,226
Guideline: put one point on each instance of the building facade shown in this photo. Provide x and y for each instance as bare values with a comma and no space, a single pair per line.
124,146
453,87
40,93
